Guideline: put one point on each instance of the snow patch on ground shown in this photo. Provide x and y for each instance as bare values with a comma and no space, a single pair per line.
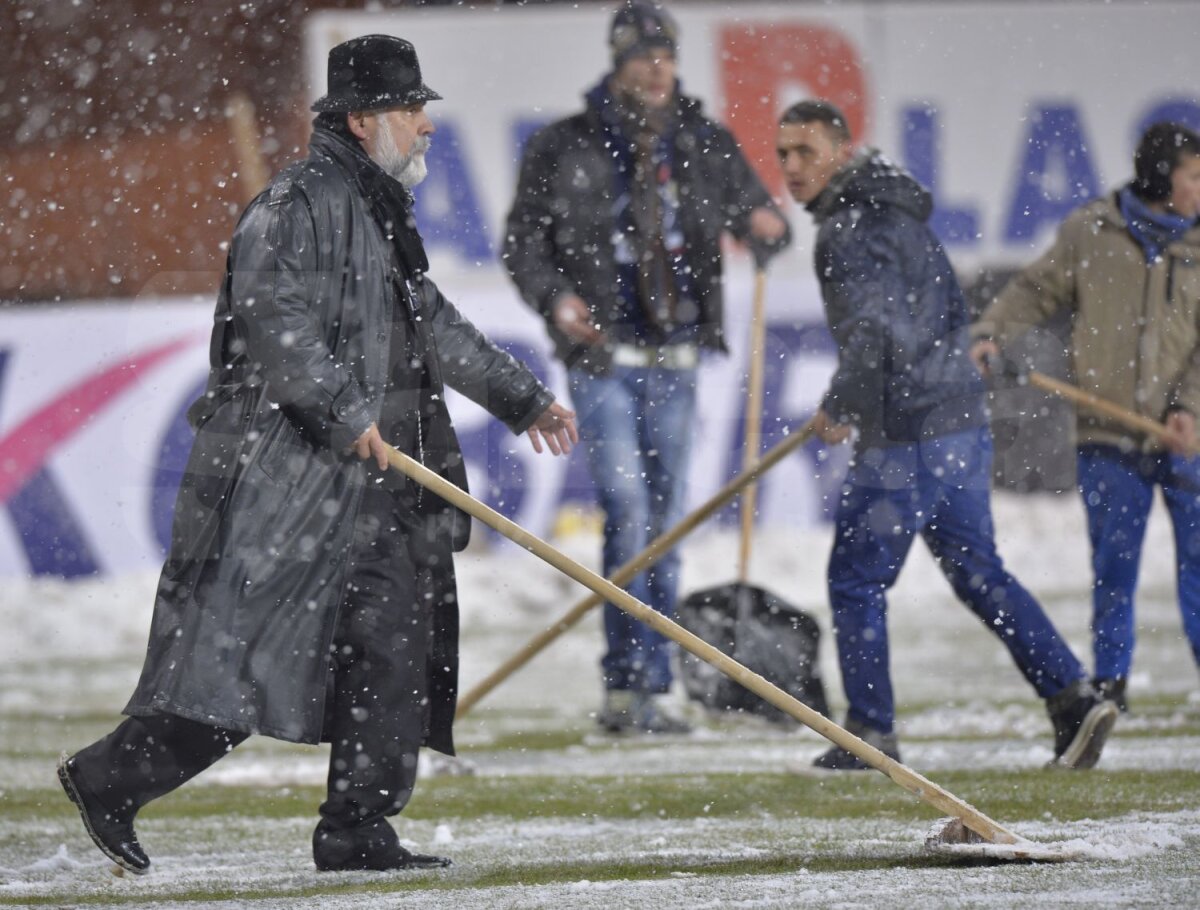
74,651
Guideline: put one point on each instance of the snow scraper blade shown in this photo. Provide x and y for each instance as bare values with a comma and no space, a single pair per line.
950,837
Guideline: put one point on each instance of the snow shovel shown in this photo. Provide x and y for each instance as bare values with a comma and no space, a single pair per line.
756,627
969,832
656,549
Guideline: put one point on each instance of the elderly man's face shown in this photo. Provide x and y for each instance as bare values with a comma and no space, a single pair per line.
648,78
397,140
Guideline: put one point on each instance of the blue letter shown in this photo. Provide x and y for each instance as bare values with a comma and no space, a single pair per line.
447,207
788,343
490,445
1178,110
54,541
921,156
173,453
1056,174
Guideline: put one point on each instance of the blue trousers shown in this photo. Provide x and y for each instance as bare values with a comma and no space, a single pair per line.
1117,490
939,488
636,424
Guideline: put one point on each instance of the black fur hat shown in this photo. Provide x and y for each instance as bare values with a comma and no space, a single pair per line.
373,73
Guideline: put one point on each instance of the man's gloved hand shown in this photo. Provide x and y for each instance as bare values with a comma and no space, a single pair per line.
768,233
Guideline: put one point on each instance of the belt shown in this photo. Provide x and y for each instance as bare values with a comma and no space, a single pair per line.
671,357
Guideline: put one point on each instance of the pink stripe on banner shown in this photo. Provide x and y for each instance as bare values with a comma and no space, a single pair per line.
29,445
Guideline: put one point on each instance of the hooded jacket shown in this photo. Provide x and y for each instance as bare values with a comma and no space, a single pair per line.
560,230
1135,324
247,603
894,308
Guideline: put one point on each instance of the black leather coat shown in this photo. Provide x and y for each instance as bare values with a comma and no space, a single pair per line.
248,600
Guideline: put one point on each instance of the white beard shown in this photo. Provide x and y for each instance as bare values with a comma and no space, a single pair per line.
408,170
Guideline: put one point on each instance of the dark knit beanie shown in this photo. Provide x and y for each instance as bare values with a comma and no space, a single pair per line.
1158,154
639,26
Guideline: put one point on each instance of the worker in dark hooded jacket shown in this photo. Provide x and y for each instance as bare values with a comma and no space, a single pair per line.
309,594
906,387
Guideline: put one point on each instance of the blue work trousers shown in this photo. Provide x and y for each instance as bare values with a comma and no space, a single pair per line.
635,424
939,488
1117,490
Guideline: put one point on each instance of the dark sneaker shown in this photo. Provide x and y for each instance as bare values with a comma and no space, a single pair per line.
651,715
114,836
838,759
1082,721
626,711
617,715
372,849
1113,690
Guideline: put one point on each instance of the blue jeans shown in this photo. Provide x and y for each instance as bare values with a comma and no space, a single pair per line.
1117,490
636,425
939,488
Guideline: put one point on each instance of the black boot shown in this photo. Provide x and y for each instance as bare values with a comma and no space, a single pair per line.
838,759
113,834
1082,721
368,847
1114,690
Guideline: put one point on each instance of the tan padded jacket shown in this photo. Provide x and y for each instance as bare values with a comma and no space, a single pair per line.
1135,325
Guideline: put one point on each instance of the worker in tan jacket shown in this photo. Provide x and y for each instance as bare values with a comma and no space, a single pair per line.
1127,269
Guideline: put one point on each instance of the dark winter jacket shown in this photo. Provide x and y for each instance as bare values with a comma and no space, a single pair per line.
894,308
248,600
559,237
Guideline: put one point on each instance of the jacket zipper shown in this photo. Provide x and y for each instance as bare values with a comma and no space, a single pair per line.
411,303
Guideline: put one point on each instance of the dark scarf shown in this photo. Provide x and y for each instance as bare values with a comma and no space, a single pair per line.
1153,231
653,272
391,203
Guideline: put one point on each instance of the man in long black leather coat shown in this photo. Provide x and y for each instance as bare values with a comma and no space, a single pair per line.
309,594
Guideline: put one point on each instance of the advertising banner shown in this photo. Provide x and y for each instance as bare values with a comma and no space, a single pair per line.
1011,113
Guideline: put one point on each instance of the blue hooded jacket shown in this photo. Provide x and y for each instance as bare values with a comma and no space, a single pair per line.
894,307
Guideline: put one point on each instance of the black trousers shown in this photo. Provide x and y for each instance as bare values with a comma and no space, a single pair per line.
377,712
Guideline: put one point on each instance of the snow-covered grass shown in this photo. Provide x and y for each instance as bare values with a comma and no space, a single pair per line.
557,815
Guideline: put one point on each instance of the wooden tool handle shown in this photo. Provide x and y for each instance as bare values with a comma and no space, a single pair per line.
902,775
754,408
654,551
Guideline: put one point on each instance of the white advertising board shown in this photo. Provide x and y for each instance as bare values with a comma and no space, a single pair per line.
93,434
1011,112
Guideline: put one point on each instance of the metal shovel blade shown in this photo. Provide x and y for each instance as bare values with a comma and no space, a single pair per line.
950,837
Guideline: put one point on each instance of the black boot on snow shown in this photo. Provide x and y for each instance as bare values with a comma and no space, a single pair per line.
838,759
370,848
112,834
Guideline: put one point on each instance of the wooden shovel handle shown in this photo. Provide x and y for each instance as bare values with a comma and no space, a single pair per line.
1083,399
902,775
754,409
654,551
